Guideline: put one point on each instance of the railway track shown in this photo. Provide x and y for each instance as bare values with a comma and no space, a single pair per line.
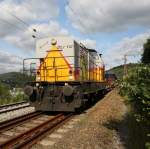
24,131
13,107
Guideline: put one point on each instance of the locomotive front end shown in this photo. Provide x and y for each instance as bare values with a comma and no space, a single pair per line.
67,75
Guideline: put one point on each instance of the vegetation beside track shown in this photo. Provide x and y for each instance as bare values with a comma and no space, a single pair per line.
11,80
118,70
6,97
14,79
136,87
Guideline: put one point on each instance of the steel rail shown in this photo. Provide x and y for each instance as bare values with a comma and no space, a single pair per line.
16,121
12,104
13,109
48,131
31,136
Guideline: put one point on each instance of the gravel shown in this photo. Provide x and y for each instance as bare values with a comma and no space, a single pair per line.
15,113
100,127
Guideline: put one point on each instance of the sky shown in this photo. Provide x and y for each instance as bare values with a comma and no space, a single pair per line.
114,28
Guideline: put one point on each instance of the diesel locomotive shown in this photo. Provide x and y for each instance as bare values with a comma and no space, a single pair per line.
67,75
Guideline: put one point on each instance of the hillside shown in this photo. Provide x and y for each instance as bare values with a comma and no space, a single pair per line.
17,79
14,79
119,70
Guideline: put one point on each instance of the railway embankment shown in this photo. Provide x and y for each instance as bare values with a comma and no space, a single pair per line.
104,126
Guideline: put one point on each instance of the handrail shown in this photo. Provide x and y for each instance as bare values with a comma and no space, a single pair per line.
92,74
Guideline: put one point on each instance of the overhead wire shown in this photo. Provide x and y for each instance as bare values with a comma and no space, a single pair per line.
75,14
14,25
21,28
27,6
11,24
79,18
28,25
21,20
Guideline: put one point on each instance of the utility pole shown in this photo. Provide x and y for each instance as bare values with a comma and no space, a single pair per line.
125,63
125,66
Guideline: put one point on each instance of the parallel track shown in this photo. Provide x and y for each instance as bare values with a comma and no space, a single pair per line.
27,130
12,104
5,125
13,107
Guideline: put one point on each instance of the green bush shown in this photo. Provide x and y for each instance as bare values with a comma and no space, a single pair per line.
4,92
7,98
136,86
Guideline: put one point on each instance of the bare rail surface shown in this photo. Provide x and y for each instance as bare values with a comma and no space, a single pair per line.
40,127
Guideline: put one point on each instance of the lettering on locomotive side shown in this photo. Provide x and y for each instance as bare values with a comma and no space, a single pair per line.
66,46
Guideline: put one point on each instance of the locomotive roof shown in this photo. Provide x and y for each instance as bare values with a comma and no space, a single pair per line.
92,50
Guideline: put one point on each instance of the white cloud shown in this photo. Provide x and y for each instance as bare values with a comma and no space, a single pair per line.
92,16
91,44
9,62
24,39
87,42
31,12
52,28
128,46
28,10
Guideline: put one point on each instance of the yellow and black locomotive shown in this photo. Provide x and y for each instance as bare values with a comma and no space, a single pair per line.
67,75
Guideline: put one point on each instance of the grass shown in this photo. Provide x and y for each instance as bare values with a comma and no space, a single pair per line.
18,98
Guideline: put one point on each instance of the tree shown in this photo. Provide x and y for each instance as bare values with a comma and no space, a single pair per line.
4,92
146,53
